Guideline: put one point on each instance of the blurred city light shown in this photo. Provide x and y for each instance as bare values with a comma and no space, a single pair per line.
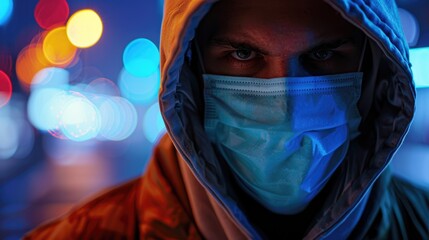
17,136
153,124
79,112
84,28
51,77
6,8
73,112
139,90
46,106
5,88
410,25
57,48
103,86
118,117
9,133
51,13
419,58
80,120
82,73
31,60
141,57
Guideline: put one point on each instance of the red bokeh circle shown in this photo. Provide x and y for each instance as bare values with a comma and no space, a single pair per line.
51,13
5,88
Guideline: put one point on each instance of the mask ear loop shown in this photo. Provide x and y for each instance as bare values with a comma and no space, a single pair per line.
199,57
363,53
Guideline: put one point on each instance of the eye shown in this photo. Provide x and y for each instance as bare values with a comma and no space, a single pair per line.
243,54
321,54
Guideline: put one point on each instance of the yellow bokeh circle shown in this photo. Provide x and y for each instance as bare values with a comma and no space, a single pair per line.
57,48
84,28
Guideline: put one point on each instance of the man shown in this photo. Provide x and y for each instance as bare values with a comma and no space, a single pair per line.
282,118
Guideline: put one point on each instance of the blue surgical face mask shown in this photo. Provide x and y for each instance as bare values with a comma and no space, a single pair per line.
284,137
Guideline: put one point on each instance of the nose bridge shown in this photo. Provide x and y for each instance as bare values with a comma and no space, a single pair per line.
282,66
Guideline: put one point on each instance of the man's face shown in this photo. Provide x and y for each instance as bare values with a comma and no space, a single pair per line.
278,38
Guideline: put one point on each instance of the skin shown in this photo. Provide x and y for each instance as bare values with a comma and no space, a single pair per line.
281,38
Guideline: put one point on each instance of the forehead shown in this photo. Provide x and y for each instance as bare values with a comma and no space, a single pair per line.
272,21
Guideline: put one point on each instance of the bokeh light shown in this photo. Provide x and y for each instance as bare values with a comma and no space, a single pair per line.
79,88
410,26
46,106
139,90
80,120
51,77
118,117
84,28
17,136
153,124
79,112
57,48
419,58
51,13
6,7
27,65
84,73
30,61
9,134
141,57
5,88
103,86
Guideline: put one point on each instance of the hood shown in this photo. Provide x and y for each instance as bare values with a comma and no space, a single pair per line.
387,107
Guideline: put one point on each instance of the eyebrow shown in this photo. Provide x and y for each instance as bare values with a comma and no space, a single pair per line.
238,44
331,44
248,45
